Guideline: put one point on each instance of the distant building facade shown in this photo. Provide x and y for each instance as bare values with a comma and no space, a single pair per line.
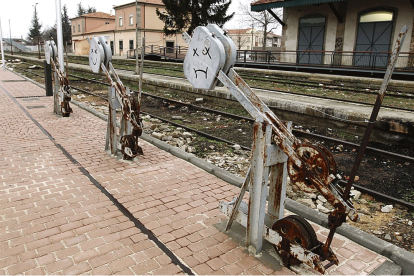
91,24
120,29
249,39
342,26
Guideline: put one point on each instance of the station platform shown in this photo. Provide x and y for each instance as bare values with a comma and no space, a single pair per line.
394,126
68,207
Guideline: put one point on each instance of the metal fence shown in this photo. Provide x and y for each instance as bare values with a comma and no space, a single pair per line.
333,59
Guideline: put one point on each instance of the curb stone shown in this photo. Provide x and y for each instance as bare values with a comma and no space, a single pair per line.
403,260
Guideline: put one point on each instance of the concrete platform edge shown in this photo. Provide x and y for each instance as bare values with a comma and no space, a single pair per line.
402,258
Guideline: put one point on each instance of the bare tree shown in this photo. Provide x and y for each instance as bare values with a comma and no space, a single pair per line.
239,37
262,20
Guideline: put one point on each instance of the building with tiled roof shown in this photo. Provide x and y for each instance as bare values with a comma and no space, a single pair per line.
120,30
360,33
252,39
97,23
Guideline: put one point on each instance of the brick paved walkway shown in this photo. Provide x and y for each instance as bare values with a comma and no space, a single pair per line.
54,220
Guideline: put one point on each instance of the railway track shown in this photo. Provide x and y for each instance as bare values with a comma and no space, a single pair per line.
396,100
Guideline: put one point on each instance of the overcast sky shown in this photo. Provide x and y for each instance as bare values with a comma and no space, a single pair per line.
20,13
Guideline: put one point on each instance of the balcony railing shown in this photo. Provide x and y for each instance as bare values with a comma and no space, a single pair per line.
333,59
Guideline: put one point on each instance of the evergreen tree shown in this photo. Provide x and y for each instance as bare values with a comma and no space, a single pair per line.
34,30
51,33
91,9
66,27
188,14
81,10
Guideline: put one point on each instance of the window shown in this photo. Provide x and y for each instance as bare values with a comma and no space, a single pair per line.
131,44
121,45
120,21
131,20
78,27
376,16
74,29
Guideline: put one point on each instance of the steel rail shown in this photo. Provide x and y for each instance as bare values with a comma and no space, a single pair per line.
302,94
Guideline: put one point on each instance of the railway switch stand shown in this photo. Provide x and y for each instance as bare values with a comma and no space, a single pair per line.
119,97
61,89
276,152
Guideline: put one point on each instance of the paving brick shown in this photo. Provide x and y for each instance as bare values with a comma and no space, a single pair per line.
36,271
233,269
345,253
75,240
359,266
153,252
50,248
5,262
92,243
247,263
85,256
169,269
230,257
366,256
202,269
201,257
346,270
47,233
216,263
141,246
28,256
46,259
67,252
14,251
78,269
145,267
58,265
103,270
102,259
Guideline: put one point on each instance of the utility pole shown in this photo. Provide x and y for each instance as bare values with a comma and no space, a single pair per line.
11,41
2,51
59,35
252,35
136,38
38,37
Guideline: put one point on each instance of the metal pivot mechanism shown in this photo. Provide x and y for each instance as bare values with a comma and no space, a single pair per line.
119,97
276,152
62,88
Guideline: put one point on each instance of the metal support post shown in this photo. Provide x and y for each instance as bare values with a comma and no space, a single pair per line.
56,92
111,138
48,79
258,189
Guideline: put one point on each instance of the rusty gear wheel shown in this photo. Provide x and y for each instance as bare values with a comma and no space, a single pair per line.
127,143
330,158
317,161
294,230
65,109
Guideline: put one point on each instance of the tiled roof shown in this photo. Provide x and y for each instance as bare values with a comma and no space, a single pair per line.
155,2
104,28
258,2
238,31
99,15
96,15
158,2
